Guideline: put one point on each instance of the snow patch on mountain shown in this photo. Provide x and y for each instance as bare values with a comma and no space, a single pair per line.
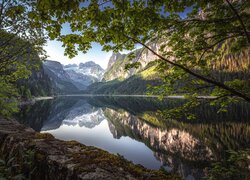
91,69
88,120
73,77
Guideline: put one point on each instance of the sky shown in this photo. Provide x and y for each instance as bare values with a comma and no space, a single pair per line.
55,51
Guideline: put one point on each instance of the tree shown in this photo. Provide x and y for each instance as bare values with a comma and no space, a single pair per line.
21,41
196,36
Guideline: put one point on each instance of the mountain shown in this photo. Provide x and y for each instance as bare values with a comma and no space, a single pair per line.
38,84
117,62
84,74
62,82
117,80
136,84
70,66
91,69
72,78
81,81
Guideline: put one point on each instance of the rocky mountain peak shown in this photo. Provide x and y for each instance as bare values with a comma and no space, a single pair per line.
70,66
117,62
89,68
53,64
89,64
114,57
73,75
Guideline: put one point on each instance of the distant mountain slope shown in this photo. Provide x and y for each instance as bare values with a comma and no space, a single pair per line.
72,78
80,80
117,80
136,84
89,70
62,82
117,62
38,84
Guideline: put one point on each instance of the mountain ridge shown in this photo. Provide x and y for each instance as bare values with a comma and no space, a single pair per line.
72,78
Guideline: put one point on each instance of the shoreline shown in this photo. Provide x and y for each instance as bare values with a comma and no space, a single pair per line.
34,99
43,98
131,95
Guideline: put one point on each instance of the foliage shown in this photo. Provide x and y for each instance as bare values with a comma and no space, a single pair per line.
8,95
12,169
7,168
235,167
196,37
21,41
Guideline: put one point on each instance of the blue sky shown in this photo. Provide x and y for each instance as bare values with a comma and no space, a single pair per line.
56,52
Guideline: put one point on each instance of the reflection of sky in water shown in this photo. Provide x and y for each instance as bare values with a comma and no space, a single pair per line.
100,136
99,121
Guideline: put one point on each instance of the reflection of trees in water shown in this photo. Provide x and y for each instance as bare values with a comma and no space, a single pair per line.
177,149
238,112
50,114
184,146
222,136
34,115
171,140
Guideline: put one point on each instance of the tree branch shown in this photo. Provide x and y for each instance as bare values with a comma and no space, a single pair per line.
211,81
240,20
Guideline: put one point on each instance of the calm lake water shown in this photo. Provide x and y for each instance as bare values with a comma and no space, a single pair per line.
134,128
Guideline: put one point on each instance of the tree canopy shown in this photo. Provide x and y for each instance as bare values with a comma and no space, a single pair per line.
196,37
21,43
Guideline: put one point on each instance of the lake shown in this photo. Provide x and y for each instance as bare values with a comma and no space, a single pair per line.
135,128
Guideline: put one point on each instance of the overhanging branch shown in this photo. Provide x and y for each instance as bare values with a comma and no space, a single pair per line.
211,81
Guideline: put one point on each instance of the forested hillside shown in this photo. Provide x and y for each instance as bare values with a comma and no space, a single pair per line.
38,84
118,80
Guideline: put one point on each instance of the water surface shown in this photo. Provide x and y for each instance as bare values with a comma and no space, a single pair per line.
133,128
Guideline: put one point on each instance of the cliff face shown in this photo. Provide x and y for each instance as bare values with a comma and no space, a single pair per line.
62,82
117,62
115,67
114,58
41,156
231,66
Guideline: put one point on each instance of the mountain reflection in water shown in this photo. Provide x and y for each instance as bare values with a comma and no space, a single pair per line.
133,128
